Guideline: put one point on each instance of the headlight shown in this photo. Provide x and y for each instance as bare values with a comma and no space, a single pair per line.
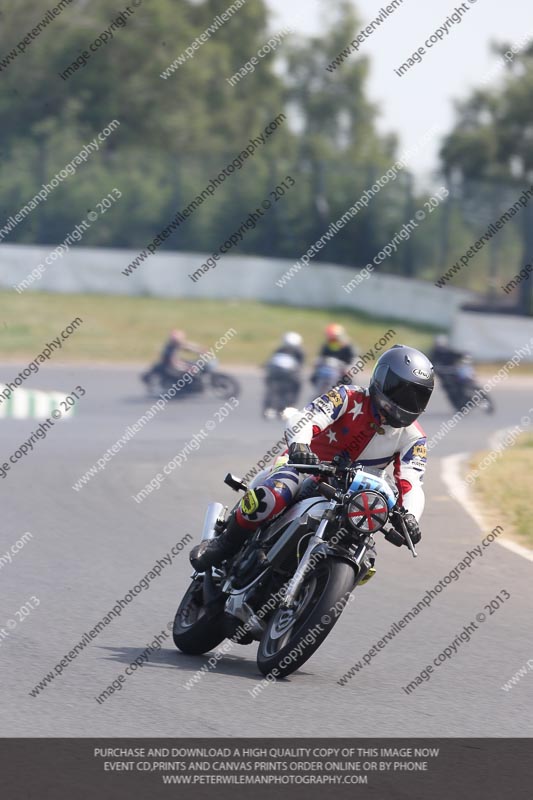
367,511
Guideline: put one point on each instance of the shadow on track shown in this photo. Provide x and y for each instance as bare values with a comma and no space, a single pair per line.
232,665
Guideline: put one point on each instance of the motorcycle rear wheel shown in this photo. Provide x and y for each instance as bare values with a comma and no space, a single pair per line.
488,405
283,648
225,386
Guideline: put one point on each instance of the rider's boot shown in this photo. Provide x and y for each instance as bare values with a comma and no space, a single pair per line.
213,552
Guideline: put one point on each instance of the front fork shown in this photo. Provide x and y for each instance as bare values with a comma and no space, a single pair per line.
310,557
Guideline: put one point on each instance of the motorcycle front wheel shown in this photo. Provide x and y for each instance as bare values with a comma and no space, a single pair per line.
194,631
293,635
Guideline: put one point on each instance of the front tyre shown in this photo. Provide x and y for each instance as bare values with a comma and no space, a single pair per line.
293,635
195,632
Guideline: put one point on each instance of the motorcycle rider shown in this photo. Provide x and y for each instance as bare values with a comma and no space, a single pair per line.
337,345
168,364
285,365
442,355
375,427
456,370
291,345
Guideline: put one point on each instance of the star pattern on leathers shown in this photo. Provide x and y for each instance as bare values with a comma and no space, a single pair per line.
356,410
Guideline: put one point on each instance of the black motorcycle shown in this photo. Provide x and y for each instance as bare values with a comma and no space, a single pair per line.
192,379
460,385
290,582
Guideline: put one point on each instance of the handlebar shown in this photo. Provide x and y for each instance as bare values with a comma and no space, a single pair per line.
324,468
329,468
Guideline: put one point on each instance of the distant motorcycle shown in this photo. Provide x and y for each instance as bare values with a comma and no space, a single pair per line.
329,372
195,379
291,580
460,385
282,384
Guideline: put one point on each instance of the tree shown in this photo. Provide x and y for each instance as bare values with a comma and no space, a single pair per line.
177,133
490,149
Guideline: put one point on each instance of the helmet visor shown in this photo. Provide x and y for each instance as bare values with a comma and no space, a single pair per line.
409,396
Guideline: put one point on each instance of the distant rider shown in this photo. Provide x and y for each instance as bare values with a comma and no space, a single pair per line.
284,368
337,345
169,365
292,345
375,427
443,355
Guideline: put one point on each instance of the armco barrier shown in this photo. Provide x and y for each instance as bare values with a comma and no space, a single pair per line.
492,337
99,270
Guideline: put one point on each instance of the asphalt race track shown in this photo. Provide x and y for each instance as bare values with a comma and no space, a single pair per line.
90,547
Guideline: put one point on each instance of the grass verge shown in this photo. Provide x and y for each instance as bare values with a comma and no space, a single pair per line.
504,489
118,328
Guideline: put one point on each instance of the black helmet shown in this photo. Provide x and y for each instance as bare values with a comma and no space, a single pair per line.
401,385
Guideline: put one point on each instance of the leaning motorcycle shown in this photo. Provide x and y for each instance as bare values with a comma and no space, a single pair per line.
291,580
460,385
196,379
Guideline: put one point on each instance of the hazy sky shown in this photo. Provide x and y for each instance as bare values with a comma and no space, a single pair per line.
423,97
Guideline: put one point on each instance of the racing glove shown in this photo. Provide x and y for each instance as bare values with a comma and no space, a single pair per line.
397,538
412,528
302,454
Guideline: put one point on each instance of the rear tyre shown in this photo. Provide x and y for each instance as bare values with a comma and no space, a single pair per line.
274,400
194,632
283,647
151,383
488,405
